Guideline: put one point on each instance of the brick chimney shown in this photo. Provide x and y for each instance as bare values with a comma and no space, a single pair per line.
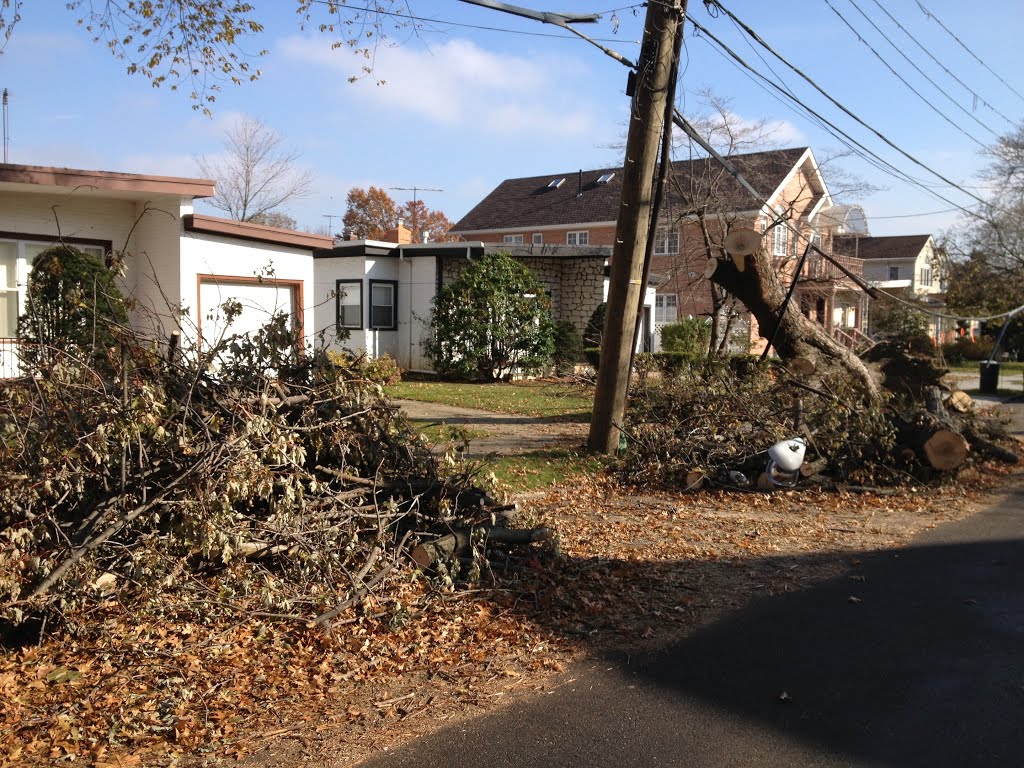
400,234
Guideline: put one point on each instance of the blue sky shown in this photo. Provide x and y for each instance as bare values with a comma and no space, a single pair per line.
462,107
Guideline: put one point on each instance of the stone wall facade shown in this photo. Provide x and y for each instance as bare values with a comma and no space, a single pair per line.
575,284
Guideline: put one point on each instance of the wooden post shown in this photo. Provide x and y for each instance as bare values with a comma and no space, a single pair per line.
625,290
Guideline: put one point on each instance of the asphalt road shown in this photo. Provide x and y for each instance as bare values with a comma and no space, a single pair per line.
919,661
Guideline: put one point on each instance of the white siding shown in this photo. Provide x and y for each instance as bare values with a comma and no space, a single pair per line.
203,254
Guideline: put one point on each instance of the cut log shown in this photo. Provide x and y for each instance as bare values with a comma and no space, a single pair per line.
694,480
960,401
428,553
990,449
946,450
934,402
459,543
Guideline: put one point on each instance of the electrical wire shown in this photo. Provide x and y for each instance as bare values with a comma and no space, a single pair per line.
920,71
755,36
835,129
929,54
481,27
963,45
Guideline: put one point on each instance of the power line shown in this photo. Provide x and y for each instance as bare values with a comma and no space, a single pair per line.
920,71
846,109
836,130
481,27
944,68
963,45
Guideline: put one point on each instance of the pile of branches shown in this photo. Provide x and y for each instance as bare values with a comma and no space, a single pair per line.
250,478
714,426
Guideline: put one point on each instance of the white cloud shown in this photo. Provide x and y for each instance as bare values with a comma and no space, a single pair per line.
457,83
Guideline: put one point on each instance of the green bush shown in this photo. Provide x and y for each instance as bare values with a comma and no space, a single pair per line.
964,350
673,363
593,356
73,310
490,321
568,347
691,337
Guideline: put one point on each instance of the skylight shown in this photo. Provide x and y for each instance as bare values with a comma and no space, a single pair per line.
556,183
605,178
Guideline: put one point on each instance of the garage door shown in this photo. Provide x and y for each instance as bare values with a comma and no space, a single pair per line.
258,302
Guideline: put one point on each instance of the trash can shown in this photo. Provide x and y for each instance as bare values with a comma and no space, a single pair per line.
989,381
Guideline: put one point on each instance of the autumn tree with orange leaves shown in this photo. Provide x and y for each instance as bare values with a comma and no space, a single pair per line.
371,213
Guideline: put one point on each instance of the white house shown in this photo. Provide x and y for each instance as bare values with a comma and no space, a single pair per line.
381,293
180,266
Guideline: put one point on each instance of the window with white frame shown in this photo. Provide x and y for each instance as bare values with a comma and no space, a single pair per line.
926,277
383,305
780,235
538,238
894,273
577,238
666,308
16,257
666,241
8,290
348,298
512,240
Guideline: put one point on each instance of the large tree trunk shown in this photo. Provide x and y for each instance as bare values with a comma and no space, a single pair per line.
759,288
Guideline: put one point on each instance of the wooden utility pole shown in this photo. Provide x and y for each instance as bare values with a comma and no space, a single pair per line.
626,289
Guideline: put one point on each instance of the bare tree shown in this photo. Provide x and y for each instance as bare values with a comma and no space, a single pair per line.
256,173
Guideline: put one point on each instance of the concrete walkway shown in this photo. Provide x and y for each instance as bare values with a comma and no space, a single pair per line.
916,660
501,434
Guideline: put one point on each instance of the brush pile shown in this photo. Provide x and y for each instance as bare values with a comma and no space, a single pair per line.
713,425
267,482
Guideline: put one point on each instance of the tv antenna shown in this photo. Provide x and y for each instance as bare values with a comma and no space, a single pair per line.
414,190
6,97
330,221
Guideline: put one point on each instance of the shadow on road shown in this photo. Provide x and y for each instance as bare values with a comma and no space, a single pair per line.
911,657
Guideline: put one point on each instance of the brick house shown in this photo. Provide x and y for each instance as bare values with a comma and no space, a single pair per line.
702,204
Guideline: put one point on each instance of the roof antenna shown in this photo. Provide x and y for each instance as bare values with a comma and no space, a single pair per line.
5,98
579,193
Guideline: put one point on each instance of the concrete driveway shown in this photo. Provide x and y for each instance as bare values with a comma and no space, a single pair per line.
915,660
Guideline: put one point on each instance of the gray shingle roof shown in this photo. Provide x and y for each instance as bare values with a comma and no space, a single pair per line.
894,247
530,202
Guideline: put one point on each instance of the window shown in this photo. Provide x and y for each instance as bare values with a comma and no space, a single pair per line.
780,235
926,277
666,308
16,257
666,240
894,273
348,299
577,238
8,290
383,302
512,239
538,238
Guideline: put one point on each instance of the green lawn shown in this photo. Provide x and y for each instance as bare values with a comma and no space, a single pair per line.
541,469
555,400
973,366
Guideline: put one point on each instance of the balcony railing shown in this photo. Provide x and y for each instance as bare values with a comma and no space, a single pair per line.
818,268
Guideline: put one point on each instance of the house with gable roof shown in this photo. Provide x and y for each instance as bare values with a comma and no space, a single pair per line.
911,264
702,203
